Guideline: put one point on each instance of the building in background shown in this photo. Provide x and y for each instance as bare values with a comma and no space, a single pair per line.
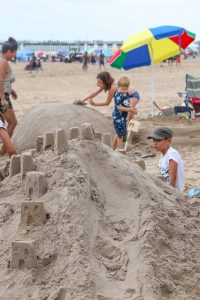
74,47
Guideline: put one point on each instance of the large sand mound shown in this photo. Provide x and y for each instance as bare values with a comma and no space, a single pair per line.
114,232
46,117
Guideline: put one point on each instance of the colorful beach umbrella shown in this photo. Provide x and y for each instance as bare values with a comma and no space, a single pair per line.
90,51
20,55
107,53
28,53
39,53
151,46
63,52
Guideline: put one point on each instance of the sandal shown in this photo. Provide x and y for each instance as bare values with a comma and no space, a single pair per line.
79,102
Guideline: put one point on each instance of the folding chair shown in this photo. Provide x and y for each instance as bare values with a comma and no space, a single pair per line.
193,91
185,108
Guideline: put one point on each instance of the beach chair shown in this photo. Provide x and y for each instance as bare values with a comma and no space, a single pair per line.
192,93
184,108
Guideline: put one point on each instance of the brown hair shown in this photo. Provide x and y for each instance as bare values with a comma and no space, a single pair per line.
107,80
124,82
10,45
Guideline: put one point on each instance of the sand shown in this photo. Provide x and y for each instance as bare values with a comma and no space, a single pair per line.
63,83
115,231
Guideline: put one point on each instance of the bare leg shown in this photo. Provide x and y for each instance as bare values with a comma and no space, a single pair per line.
157,106
114,145
132,138
120,142
133,103
10,118
7,142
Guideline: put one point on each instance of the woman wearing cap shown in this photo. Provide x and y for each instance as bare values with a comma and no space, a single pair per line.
9,49
170,163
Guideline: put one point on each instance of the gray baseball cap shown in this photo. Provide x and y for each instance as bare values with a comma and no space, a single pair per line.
161,133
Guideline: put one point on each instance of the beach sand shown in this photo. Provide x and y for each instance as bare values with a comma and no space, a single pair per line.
60,82
114,231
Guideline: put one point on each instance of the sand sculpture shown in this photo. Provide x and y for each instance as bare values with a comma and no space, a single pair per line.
113,231
43,120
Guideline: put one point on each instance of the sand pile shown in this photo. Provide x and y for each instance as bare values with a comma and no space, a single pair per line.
48,116
113,232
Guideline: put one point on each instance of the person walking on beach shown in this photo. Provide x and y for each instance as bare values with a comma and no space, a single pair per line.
101,60
9,49
121,110
85,60
170,163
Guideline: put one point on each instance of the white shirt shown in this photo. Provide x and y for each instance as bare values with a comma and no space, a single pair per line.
164,167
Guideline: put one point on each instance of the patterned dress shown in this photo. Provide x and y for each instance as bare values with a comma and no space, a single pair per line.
10,78
120,117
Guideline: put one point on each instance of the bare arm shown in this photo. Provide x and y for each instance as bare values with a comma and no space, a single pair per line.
109,98
92,95
127,109
3,72
133,101
173,166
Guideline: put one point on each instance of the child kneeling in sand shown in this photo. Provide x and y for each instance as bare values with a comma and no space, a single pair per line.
170,163
121,110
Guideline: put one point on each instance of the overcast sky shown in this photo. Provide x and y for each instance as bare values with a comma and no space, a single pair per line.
69,20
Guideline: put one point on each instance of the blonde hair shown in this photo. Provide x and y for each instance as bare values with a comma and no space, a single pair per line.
124,82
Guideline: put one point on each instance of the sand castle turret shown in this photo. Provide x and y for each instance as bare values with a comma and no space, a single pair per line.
33,213
60,141
35,184
23,255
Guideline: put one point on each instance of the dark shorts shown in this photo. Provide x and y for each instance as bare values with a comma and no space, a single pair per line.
120,127
2,108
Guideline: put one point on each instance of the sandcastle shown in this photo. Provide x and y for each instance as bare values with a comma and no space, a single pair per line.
23,253
112,233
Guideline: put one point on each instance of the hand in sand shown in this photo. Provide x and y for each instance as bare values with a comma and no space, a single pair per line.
79,102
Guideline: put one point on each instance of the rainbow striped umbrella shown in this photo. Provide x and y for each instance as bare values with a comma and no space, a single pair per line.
151,46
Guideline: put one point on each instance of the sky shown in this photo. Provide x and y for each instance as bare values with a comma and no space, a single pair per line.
88,20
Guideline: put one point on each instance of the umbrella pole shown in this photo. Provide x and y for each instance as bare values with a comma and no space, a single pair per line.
152,89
